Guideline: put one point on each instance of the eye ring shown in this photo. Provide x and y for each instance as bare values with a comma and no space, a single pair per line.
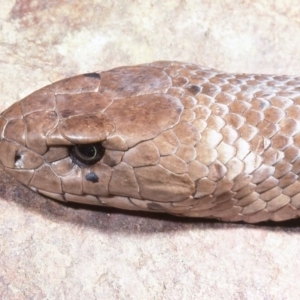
87,154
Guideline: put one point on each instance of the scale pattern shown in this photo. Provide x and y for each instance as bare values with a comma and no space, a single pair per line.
179,138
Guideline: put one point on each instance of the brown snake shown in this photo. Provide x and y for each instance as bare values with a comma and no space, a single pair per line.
162,137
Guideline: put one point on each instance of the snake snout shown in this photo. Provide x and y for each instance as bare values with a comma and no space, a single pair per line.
15,157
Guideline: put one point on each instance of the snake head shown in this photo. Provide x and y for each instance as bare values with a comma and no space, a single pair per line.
99,138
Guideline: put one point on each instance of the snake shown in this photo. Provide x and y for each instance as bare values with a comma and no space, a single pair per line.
167,137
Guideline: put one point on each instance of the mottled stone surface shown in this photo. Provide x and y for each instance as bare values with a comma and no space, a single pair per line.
52,251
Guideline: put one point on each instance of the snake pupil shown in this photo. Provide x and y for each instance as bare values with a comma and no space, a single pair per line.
87,154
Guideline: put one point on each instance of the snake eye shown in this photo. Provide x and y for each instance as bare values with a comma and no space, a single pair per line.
87,154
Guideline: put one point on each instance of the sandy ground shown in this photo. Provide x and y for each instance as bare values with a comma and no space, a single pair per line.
52,251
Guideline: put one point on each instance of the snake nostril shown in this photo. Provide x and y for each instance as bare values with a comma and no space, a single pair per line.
18,160
17,157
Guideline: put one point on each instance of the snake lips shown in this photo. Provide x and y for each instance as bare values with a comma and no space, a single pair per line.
165,137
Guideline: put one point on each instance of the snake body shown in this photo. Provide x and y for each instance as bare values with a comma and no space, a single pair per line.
163,137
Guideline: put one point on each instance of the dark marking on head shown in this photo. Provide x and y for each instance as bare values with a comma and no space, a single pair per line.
156,207
92,177
194,89
67,113
92,75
